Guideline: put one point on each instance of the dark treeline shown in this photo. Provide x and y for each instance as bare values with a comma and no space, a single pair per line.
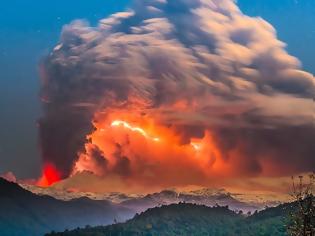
190,219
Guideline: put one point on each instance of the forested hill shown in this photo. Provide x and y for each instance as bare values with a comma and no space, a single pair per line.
191,219
23,213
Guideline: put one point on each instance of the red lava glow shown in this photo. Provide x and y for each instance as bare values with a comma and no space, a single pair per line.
50,176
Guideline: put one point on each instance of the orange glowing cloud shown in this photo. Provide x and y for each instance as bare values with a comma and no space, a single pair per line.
125,124
132,97
146,152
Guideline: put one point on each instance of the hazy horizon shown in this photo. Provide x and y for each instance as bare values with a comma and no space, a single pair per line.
158,95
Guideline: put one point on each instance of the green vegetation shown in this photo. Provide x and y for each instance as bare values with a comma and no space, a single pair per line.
302,221
195,220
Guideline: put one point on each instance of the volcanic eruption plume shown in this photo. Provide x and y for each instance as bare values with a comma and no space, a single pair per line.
175,92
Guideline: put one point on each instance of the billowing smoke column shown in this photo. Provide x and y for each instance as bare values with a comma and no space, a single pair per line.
174,92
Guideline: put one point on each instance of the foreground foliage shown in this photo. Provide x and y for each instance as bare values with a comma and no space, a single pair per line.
191,219
302,221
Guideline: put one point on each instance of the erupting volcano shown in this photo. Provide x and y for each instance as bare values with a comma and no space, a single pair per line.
159,101
150,108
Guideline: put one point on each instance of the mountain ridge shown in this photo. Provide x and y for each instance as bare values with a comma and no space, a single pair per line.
25,213
140,202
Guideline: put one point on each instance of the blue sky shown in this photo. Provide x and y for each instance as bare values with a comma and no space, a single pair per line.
30,28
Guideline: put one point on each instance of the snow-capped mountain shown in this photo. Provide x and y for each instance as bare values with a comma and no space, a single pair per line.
208,197
140,203
69,194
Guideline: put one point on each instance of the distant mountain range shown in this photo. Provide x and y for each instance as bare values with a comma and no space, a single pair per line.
188,219
168,197
69,194
140,202
25,212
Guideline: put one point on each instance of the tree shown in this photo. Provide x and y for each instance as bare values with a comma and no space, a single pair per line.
302,218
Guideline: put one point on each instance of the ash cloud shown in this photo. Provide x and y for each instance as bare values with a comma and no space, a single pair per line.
194,65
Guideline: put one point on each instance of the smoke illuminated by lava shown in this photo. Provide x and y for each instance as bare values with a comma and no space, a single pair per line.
161,100
147,152
136,129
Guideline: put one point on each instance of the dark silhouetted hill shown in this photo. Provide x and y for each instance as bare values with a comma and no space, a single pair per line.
23,213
